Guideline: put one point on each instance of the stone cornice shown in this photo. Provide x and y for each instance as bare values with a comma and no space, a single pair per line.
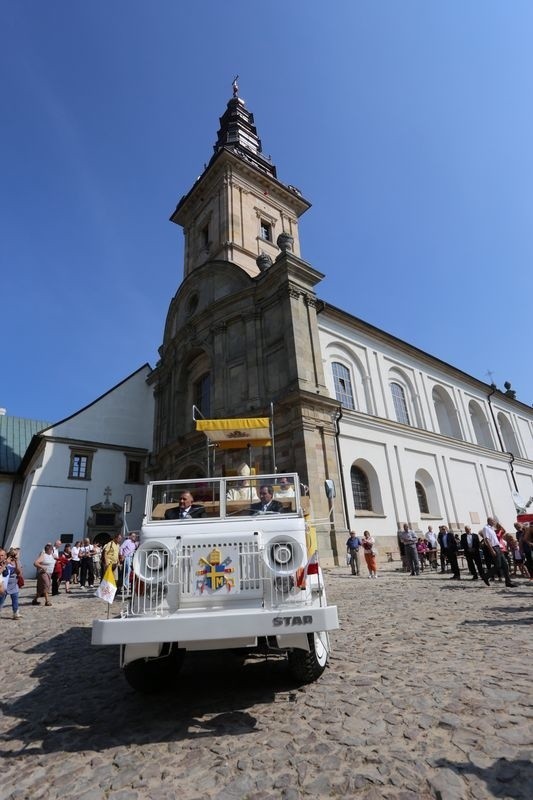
369,422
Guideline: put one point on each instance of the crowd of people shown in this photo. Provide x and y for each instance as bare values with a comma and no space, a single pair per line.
64,566
491,554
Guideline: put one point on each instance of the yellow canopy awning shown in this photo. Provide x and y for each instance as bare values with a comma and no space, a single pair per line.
237,433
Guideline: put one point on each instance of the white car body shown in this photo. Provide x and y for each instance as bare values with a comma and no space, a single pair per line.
234,577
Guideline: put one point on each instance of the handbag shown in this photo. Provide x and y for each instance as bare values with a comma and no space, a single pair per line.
20,581
348,559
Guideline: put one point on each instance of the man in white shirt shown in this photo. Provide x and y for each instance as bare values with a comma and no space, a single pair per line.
493,546
76,562
86,553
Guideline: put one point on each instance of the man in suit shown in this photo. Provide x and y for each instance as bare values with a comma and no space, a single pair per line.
266,502
186,508
449,546
470,547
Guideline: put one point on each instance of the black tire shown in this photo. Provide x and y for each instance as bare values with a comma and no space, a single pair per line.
154,675
305,666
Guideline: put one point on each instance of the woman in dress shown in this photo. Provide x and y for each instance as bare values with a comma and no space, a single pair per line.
369,549
44,564
65,560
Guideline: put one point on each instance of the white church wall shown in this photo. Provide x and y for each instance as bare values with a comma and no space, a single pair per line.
123,416
453,450
500,486
114,428
48,511
469,496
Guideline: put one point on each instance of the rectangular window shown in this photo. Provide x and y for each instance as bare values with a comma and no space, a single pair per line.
80,465
103,518
265,231
134,470
205,236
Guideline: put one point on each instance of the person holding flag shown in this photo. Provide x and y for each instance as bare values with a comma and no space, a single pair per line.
111,555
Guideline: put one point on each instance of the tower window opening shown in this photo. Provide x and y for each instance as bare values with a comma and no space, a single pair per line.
265,231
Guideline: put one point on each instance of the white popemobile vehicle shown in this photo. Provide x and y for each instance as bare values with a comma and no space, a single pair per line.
217,568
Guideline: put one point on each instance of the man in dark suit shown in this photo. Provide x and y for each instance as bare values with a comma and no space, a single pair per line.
186,508
470,547
266,494
450,547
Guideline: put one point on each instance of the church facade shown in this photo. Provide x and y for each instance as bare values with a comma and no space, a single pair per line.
405,436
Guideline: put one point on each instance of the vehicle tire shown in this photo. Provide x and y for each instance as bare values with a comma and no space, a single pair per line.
154,675
307,667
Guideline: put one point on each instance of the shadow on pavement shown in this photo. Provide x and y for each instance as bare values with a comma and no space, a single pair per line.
82,701
509,779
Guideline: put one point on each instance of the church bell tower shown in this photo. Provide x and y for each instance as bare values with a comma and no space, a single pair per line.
241,334
237,208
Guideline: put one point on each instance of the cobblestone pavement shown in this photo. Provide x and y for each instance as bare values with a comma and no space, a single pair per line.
428,695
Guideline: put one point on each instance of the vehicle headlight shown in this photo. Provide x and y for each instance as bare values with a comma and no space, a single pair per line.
151,562
284,555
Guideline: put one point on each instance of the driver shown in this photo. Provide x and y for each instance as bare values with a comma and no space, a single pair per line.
266,502
186,508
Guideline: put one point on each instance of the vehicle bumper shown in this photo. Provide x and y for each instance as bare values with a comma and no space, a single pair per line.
205,626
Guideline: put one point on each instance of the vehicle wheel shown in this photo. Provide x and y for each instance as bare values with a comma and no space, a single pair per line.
154,675
306,667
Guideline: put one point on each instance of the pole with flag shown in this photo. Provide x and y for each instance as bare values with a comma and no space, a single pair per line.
108,587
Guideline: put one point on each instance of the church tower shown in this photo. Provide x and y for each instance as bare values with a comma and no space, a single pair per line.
237,208
241,332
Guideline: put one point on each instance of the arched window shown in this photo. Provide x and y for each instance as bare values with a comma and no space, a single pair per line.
421,497
426,493
343,385
446,413
480,425
509,439
400,404
361,490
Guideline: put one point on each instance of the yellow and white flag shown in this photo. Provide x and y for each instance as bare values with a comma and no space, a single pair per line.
108,588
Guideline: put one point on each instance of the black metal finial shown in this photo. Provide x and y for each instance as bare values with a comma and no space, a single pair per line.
235,86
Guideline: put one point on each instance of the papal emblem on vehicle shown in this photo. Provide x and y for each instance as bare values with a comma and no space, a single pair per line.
215,573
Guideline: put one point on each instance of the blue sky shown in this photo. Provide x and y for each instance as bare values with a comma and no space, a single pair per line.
408,125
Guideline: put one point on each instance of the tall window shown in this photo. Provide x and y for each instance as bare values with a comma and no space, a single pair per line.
343,385
202,394
400,404
361,490
421,497
134,470
265,231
